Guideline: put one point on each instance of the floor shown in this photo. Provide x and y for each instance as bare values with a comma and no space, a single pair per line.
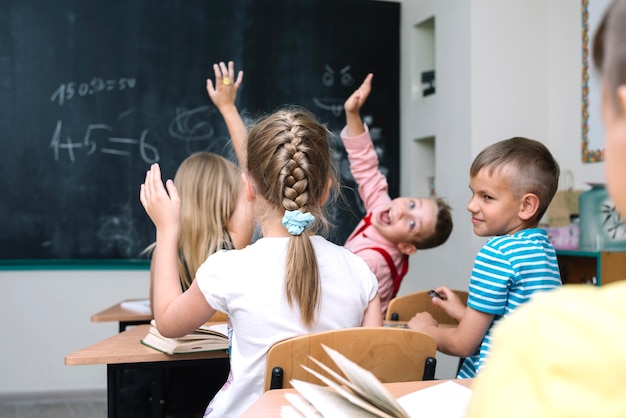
65,409
84,406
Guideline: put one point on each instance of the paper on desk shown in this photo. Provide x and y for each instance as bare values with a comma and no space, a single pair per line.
140,306
446,400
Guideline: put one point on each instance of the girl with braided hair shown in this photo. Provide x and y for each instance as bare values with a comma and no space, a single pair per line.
290,281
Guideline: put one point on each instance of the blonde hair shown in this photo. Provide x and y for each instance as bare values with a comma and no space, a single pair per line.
290,163
208,185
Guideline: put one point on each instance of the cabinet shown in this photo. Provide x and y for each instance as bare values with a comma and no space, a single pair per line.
582,266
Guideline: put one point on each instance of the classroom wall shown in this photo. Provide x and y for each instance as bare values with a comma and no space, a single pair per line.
45,315
504,68
490,85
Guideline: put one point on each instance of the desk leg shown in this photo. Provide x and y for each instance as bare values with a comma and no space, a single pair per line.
112,391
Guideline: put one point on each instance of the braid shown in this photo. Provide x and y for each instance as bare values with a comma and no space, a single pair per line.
293,175
289,159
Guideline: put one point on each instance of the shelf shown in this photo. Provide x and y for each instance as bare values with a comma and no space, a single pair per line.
423,65
581,266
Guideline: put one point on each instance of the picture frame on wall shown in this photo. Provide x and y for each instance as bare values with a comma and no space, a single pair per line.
592,146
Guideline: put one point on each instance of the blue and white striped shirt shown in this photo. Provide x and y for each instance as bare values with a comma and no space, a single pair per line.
507,271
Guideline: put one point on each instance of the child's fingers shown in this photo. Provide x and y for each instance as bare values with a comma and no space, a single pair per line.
239,79
142,195
224,69
153,180
218,72
172,191
145,192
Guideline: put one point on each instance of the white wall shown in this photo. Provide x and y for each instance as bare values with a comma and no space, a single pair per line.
504,68
564,92
45,315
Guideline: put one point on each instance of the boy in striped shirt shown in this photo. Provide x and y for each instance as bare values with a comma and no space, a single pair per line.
512,184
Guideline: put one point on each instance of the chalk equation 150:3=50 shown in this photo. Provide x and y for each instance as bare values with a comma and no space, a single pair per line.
67,91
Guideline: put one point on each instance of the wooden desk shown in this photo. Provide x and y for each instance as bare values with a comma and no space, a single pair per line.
125,356
270,403
125,317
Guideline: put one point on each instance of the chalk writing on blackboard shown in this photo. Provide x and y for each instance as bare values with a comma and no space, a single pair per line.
89,144
67,91
191,127
329,77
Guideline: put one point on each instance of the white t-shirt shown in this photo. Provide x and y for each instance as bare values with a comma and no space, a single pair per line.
248,285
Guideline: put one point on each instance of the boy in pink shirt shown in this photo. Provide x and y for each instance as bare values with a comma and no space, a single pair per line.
392,229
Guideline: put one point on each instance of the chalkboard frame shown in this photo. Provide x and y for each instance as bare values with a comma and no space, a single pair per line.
75,264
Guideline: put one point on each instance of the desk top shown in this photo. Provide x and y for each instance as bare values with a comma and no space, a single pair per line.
269,404
126,347
118,314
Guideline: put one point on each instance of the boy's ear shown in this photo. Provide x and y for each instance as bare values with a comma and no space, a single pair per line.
529,207
406,248
248,187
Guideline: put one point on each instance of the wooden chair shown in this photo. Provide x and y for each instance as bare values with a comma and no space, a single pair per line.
403,308
391,354
219,317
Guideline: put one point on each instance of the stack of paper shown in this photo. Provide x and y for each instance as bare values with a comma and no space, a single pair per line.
361,394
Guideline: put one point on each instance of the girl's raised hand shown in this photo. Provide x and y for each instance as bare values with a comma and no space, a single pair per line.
163,206
224,91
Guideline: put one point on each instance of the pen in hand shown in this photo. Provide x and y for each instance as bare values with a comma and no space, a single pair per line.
434,294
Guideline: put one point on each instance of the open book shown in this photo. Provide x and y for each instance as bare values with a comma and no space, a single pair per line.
206,338
361,394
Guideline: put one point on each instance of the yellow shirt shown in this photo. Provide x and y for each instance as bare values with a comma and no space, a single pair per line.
563,354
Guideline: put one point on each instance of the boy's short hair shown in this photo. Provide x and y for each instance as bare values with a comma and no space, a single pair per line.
609,54
443,227
537,170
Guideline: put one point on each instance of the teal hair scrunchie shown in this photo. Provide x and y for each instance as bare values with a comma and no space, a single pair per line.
296,221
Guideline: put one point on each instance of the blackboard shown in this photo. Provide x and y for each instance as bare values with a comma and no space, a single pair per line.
93,91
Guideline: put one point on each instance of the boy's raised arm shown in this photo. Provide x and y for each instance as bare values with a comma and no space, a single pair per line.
223,94
353,104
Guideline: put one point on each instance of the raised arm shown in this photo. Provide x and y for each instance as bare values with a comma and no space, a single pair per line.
353,105
223,94
171,307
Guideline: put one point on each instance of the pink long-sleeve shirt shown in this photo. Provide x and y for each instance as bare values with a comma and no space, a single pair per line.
374,191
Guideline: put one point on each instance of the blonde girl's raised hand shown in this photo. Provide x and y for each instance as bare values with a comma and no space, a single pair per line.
224,92
163,206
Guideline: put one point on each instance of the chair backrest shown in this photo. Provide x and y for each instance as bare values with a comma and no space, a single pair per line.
219,317
405,307
391,354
